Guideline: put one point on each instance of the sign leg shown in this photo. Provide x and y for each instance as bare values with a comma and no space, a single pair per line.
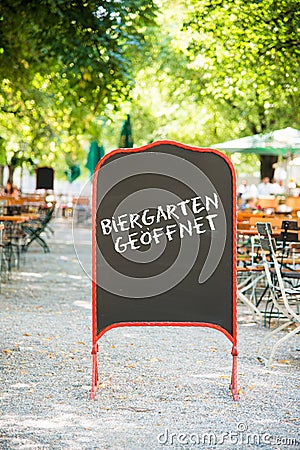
95,375
233,384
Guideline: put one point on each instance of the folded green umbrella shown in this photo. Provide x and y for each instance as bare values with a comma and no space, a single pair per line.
95,154
126,139
73,172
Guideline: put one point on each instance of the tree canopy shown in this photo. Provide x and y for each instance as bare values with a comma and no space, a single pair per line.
246,56
62,63
196,71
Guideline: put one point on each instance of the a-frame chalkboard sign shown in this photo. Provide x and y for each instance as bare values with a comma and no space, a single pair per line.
164,242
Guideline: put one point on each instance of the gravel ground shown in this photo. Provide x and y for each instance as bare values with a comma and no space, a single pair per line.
161,388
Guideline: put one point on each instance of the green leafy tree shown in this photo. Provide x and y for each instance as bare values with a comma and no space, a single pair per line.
63,62
245,56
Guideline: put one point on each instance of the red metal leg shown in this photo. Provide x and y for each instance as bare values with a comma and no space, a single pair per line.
233,385
95,375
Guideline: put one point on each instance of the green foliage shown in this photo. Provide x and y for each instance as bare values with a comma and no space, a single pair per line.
60,63
2,152
195,71
82,43
247,55
244,58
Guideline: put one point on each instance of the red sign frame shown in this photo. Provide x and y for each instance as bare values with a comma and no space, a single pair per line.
95,337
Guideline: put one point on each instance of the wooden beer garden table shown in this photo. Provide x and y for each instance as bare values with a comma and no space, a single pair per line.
30,216
16,218
253,232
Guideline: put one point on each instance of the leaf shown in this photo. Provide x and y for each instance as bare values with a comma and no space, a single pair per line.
104,384
131,365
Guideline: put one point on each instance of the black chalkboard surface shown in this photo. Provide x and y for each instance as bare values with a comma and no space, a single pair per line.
164,239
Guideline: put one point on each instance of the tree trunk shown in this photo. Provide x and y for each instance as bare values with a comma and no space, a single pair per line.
266,166
11,169
266,161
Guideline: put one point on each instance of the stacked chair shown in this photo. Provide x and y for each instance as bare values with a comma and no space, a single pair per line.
23,222
34,230
282,304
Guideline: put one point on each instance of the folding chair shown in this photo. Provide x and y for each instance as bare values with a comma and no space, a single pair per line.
285,299
249,282
35,228
290,252
250,275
